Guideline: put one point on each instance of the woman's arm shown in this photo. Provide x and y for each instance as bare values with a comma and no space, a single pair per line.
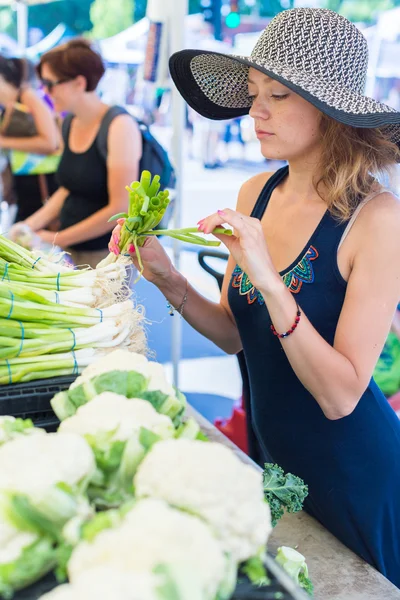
336,376
214,321
124,152
46,140
49,211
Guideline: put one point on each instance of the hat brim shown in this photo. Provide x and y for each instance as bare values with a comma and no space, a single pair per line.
220,90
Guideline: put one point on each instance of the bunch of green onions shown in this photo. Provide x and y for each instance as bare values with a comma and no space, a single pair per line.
55,320
147,206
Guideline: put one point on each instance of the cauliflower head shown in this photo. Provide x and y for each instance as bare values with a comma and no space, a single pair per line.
123,360
118,360
113,412
209,480
32,465
151,535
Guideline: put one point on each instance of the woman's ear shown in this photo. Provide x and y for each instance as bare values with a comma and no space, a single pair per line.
81,82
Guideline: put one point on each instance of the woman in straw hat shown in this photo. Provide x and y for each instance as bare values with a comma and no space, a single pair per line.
313,278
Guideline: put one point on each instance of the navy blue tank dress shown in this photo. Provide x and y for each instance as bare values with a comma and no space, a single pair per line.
351,465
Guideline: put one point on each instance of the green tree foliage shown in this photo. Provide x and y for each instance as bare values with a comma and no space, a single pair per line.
73,13
109,18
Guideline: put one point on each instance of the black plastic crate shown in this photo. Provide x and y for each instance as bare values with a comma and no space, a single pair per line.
31,400
280,588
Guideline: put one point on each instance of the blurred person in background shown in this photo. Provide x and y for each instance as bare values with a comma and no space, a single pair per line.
92,189
28,136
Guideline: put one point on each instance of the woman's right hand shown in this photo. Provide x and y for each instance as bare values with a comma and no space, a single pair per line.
156,262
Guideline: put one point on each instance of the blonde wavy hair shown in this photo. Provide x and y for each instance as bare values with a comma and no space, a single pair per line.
352,161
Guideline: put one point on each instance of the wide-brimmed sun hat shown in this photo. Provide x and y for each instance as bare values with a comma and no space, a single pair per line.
315,52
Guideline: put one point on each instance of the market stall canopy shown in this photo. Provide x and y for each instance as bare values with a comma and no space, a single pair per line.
128,46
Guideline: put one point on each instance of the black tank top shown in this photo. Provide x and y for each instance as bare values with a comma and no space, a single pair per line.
84,175
351,465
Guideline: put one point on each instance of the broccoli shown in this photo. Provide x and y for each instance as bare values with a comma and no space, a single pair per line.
283,491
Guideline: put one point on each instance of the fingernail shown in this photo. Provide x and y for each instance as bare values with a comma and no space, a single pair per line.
221,213
201,227
131,249
200,222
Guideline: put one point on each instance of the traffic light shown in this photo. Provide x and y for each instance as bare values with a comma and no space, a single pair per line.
232,19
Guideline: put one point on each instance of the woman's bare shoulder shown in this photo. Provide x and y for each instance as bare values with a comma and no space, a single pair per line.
378,221
250,191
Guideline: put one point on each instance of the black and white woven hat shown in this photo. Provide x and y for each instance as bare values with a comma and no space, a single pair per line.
317,53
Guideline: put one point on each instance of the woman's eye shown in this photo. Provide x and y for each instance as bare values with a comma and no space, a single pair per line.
251,98
279,96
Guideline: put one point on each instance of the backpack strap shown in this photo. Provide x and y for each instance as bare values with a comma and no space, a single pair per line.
102,136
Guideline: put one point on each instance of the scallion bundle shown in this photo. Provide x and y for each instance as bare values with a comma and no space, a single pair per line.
55,320
147,206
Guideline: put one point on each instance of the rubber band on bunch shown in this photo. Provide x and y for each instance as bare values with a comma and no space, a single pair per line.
76,368
101,314
57,298
74,339
11,307
58,281
22,337
5,274
37,260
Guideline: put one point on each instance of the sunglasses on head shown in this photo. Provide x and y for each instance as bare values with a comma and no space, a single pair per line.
49,84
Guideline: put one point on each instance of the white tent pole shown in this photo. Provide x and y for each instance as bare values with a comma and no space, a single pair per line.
177,12
22,26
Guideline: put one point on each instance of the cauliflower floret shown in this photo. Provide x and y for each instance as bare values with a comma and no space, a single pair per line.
208,480
113,412
153,534
107,584
33,464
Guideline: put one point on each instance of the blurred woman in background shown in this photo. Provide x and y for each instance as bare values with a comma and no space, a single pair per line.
28,134
92,187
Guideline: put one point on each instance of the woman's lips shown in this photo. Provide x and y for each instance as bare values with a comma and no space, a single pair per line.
263,134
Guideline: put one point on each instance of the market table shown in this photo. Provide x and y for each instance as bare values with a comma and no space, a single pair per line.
337,573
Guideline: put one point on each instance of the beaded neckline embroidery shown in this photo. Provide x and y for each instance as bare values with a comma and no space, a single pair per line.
303,272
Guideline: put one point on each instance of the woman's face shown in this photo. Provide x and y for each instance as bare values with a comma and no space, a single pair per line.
287,126
65,93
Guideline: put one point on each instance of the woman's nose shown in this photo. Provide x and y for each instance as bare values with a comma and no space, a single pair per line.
259,110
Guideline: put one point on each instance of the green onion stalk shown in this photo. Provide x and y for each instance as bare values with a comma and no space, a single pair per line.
147,206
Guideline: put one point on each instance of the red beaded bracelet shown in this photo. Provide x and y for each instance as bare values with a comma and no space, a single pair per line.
293,327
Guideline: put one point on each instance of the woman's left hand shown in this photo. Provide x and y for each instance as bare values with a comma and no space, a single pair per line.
247,246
